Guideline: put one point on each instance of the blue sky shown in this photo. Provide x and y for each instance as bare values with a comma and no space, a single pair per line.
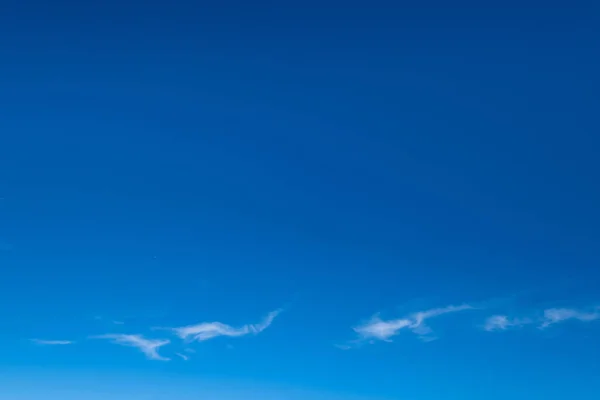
325,200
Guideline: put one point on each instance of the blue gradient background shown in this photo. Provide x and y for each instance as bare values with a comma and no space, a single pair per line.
171,163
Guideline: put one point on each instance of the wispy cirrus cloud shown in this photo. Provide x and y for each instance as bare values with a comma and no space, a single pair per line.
182,356
112,321
383,330
555,315
147,346
550,316
43,342
209,330
503,322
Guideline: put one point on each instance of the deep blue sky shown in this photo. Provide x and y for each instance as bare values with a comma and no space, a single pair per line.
167,164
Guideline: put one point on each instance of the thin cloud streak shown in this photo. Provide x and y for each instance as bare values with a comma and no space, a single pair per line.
555,315
147,346
503,322
383,330
210,330
550,316
52,342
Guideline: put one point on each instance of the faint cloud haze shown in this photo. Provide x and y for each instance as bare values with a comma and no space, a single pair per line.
503,322
147,346
52,342
555,315
550,316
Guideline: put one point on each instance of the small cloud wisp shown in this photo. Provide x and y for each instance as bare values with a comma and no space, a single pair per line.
147,346
550,316
503,322
209,330
555,315
383,330
52,342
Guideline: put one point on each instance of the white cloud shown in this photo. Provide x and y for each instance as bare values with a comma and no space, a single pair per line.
379,329
555,315
376,328
549,317
52,342
503,322
209,330
147,346
183,356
